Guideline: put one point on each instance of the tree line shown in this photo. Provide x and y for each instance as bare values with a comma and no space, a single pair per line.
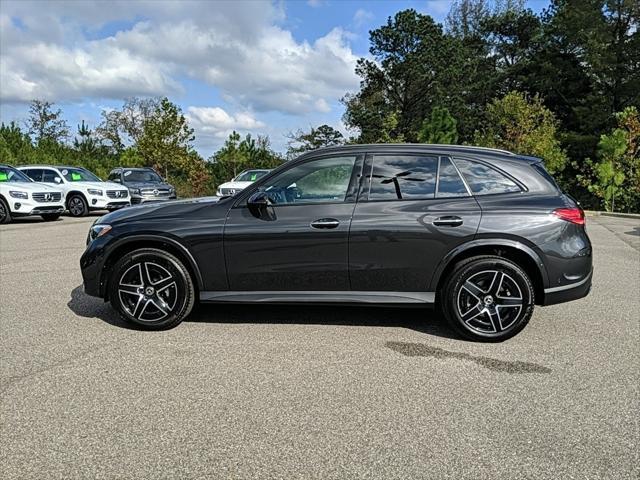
563,85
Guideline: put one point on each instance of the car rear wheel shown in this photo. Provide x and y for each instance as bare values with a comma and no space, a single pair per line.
5,213
487,298
77,206
151,288
50,217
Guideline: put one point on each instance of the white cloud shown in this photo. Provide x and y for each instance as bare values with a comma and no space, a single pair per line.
216,122
243,52
362,17
438,8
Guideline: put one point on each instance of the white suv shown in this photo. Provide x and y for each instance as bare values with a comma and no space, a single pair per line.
239,183
83,190
20,197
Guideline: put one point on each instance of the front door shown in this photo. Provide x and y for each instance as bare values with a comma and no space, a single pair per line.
301,242
412,210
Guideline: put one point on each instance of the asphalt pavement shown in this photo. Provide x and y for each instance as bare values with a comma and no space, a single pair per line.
311,392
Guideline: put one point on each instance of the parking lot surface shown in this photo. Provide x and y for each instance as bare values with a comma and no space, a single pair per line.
310,392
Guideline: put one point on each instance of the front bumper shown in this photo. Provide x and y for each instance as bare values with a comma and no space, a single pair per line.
138,199
26,207
106,203
91,265
567,293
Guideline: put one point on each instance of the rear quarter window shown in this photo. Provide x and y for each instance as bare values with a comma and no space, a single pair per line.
484,180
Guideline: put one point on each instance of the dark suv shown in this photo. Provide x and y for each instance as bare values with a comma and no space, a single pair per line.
144,184
484,234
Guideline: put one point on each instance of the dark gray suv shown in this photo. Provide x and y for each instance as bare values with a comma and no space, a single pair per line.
483,234
144,184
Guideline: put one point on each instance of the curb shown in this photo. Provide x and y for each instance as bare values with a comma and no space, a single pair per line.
596,213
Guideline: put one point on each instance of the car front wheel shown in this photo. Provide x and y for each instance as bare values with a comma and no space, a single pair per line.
151,288
487,298
77,206
5,213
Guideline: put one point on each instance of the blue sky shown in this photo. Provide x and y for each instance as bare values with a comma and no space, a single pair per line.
253,66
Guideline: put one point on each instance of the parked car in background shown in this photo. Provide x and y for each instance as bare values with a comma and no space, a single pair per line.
21,197
484,234
144,184
83,190
240,182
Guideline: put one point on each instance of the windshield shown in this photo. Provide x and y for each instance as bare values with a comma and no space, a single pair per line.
78,175
141,176
251,175
8,174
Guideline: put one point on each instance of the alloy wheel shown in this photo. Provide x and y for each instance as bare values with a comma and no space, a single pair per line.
76,206
3,213
148,292
490,301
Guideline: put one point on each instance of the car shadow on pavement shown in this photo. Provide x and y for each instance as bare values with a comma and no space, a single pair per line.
420,319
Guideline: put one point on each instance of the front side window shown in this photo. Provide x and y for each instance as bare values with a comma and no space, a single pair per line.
9,174
484,180
78,175
318,181
403,177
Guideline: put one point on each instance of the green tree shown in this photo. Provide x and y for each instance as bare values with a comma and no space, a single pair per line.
86,142
46,124
523,125
415,64
323,136
616,177
440,127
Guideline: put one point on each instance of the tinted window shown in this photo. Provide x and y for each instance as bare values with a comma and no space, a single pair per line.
251,175
449,182
402,177
114,176
49,176
78,175
484,180
144,176
34,174
324,180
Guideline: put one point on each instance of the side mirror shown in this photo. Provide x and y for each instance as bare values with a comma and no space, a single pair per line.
258,204
117,180
57,179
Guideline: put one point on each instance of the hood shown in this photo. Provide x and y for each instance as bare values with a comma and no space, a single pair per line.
163,210
236,185
98,185
30,187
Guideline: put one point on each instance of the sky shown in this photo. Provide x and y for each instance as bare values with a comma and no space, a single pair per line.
262,67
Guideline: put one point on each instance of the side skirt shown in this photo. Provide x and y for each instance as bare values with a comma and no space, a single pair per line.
318,297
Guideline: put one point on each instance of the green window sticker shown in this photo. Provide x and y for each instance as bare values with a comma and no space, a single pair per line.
75,176
253,177
3,177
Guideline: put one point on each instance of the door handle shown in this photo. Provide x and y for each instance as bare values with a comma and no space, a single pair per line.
449,221
325,223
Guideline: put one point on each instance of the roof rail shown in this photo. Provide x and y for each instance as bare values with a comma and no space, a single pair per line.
472,147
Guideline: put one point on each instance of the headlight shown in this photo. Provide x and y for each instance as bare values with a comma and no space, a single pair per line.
98,230
95,191
172,190
16,194
134,191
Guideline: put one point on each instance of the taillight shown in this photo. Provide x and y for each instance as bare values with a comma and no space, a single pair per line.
573,215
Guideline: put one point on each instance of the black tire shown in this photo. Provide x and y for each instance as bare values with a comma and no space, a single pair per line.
151,288
50,217
77,206
487,298
5,213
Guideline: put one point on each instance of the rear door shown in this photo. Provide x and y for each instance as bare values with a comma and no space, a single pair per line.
412,210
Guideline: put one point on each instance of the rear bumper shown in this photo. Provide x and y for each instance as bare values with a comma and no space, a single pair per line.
567,293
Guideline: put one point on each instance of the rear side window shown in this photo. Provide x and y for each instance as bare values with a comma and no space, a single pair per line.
484,180
449,182
34,174
403,177
49,176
